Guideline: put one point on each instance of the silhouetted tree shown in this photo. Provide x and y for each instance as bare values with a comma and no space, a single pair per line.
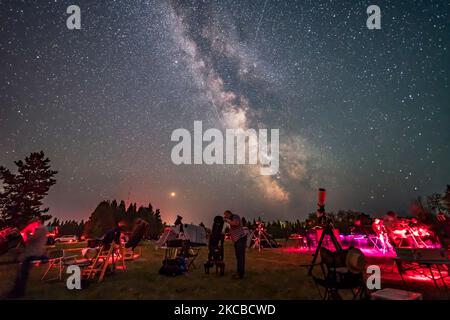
445,201
108,214
23,192
101,220
434,202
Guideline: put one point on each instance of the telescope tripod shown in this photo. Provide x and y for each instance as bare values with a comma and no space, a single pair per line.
259,235
327,230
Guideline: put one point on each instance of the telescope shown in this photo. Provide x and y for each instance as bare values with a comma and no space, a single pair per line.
321,195
326,225
320,213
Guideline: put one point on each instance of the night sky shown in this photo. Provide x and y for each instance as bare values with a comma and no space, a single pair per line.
363,113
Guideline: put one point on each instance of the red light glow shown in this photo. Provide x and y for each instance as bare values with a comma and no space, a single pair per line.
29,230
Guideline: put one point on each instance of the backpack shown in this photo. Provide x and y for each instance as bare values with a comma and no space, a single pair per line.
173,267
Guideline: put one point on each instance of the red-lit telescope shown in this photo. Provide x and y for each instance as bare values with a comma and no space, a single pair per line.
321,195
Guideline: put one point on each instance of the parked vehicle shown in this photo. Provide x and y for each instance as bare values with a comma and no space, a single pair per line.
66,239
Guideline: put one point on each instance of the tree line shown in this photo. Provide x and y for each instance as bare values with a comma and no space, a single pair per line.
109,213
106,216
68,227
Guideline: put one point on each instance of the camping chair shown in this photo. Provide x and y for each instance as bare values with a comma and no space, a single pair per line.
106,257
82,261
100,263
119,254
342,270
178,248
58,259
191,255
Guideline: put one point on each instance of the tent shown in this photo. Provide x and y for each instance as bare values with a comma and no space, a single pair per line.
195,234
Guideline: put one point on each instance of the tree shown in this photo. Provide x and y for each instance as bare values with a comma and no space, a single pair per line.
445,201
157,227
108,214
23,192
434,202
55,223
417,210
131,214
100,221
121,211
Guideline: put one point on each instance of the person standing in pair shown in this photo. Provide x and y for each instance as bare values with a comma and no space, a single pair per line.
239,237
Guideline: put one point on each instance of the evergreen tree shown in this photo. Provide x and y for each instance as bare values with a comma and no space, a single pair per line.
434,202
156,226
23,192
445,201
150,208
101,220
131,214
108,214
121,211
417,210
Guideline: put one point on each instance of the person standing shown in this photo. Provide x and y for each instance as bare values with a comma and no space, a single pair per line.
239,237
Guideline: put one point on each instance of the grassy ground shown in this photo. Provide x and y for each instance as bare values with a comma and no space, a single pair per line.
271,274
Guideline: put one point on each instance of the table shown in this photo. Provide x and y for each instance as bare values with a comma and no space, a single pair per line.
395,294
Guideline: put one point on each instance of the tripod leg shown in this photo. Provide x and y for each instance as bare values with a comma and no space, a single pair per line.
316,253
267,240
336,243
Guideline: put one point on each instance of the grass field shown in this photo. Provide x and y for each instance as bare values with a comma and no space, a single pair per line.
271,274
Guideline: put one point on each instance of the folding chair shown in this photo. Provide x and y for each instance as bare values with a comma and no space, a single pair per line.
187,252
106,257
58,259
192,255
340,274
55,261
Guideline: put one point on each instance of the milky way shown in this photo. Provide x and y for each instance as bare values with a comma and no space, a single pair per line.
363,113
